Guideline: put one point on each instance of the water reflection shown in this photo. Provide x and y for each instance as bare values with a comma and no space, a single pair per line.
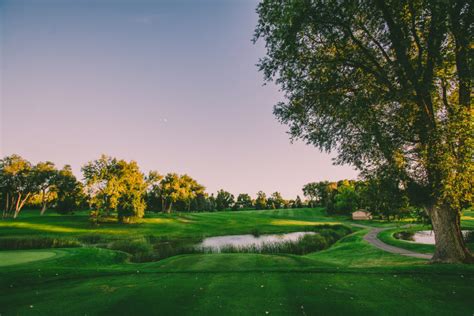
217,243
427,237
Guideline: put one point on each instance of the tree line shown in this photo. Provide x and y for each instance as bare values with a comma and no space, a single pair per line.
42,185
115,187
379,196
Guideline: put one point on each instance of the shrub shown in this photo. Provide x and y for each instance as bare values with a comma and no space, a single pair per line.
255,232
404,235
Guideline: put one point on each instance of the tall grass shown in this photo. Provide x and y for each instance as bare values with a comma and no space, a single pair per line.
150,248
36,242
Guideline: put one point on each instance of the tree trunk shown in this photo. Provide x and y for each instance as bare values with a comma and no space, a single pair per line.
43,202
17,206
20,203
5,210
43,208
450,245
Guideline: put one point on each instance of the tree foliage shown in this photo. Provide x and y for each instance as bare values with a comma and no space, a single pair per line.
115,186
69,191
244,201
224,200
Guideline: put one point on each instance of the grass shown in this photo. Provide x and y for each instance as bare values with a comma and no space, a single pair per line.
351,277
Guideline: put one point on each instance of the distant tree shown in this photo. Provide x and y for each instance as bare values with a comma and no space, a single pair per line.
45,174
192,188
298,203
201,203
331,192
275,201
261,201
69,191
388,85
244,201
17,184
224,200
179,190
310,190
212,202
171,191
153,192
346,199
317,193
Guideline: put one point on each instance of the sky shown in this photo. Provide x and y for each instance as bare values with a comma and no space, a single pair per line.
172,85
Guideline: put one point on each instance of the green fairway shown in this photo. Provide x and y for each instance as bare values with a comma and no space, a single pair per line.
351,277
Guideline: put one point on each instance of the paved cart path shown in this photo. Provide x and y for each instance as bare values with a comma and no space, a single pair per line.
371,237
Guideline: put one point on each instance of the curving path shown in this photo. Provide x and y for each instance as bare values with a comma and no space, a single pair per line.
371,237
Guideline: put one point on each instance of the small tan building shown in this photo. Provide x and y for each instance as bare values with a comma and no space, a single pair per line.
361,215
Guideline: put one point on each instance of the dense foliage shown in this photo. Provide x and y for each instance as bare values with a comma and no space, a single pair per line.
41,185
381,198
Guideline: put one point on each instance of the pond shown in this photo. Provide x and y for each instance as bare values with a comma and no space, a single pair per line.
241,241
424,236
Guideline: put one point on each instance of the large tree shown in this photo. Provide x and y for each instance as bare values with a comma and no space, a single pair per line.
244,201
261,201
386,83
317,192
116,185
276,201
224,200
69,191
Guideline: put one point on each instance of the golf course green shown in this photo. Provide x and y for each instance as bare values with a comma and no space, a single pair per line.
8,258
350,277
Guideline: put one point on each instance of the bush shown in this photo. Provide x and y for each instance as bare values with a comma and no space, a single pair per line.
36,242
255,232
404,235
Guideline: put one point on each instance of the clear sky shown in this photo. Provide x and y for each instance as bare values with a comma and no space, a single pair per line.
170,84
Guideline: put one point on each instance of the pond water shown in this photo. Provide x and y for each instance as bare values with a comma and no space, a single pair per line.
428,237
217,243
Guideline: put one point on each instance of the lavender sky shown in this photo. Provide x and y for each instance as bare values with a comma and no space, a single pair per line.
170,84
